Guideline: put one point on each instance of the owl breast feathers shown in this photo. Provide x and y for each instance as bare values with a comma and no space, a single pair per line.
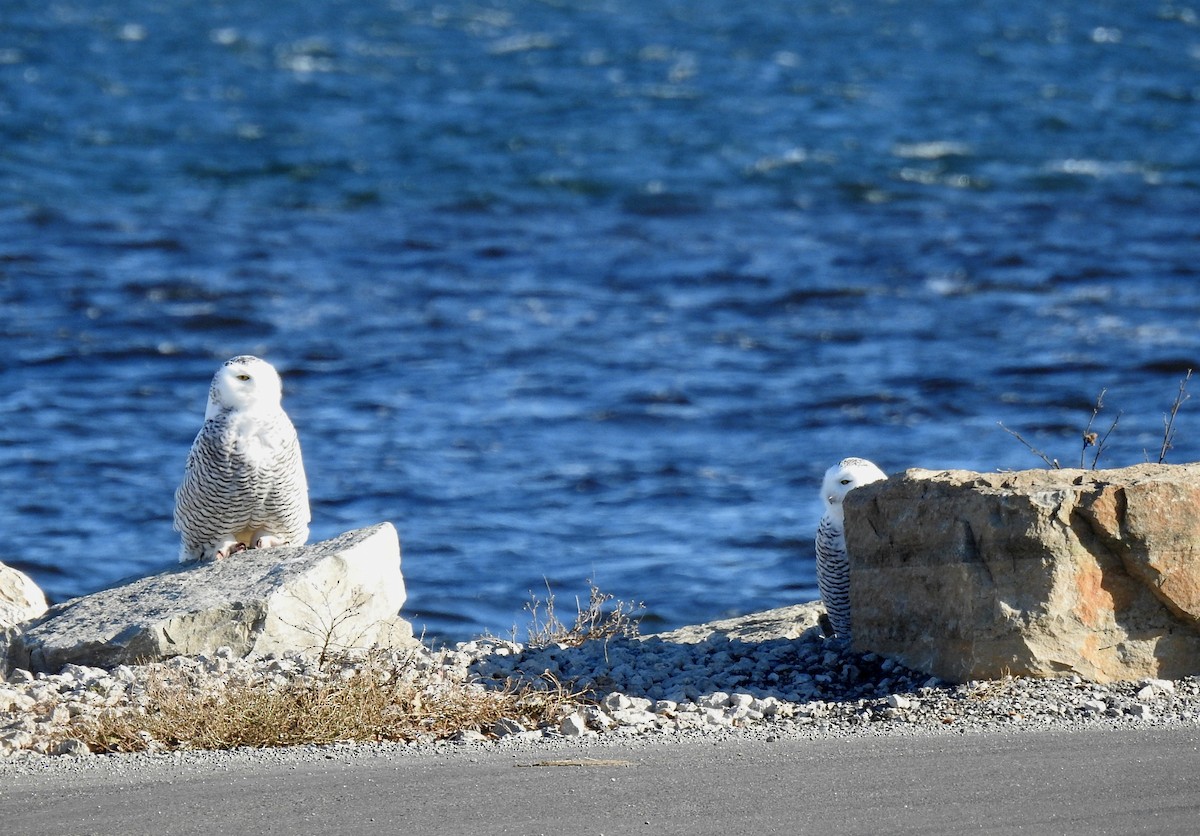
244,484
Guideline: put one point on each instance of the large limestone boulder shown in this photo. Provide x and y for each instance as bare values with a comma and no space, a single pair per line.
1038,573
327,597
20,598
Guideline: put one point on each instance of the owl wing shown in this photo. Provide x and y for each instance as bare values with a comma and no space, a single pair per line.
833,574
285,499
210,501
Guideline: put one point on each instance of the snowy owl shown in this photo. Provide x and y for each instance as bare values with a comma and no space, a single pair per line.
244,484
833,566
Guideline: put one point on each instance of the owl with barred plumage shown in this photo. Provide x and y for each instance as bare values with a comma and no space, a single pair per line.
244,485
833,564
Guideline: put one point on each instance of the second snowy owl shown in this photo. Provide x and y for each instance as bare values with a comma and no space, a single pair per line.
244,485
833,566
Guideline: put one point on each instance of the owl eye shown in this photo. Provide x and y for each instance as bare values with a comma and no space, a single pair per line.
243,377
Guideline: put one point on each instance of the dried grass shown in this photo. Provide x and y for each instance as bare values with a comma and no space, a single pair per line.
374,700
365,698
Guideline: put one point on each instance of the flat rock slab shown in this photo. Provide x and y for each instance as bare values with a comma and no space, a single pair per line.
332,596
781,623
1033,573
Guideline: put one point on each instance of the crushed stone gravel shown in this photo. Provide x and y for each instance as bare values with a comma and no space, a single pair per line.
635,689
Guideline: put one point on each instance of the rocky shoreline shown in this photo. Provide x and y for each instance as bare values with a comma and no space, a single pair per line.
768,675
1080,584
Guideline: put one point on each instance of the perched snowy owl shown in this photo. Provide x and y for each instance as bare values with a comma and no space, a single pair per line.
244,485
833,567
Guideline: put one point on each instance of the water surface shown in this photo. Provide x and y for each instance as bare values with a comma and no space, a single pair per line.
585,290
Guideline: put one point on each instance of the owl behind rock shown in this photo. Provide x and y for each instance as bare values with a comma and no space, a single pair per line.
244,484
833,563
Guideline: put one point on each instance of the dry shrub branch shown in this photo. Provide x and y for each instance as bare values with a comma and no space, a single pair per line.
1094,439
603,617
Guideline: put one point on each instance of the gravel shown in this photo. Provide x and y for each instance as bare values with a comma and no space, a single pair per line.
634,689
812,686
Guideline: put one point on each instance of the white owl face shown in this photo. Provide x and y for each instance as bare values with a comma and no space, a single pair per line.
844,477
244,383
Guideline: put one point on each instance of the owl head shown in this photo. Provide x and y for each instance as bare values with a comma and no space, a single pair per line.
244,383
844,477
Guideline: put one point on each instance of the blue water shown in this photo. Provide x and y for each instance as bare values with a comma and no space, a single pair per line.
586,290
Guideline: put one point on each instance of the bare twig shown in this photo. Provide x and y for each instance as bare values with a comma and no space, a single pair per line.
601,618
1094,439
327,627
1050,462
1104,438
1090,437
1169,420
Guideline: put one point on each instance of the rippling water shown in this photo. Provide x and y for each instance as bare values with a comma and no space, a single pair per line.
583,290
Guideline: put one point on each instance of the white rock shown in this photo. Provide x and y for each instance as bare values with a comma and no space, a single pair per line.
898,702
741,701
616,702
641,704
634,717
597,718
58,716
15,739
337,595
72,746
20,598
12,700
506,726
1151,688
716,717
43,693
76,708
735,713
573,725
769,706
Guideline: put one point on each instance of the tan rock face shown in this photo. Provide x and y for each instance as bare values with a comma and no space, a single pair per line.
1040,572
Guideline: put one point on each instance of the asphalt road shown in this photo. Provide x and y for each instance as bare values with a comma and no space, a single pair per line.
1079,782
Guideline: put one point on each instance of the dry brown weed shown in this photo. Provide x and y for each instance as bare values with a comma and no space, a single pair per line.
603,617
373,700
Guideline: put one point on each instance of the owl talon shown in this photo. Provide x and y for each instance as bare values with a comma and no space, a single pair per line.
269,541
228,549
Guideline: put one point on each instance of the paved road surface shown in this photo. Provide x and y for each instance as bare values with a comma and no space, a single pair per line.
1080,782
